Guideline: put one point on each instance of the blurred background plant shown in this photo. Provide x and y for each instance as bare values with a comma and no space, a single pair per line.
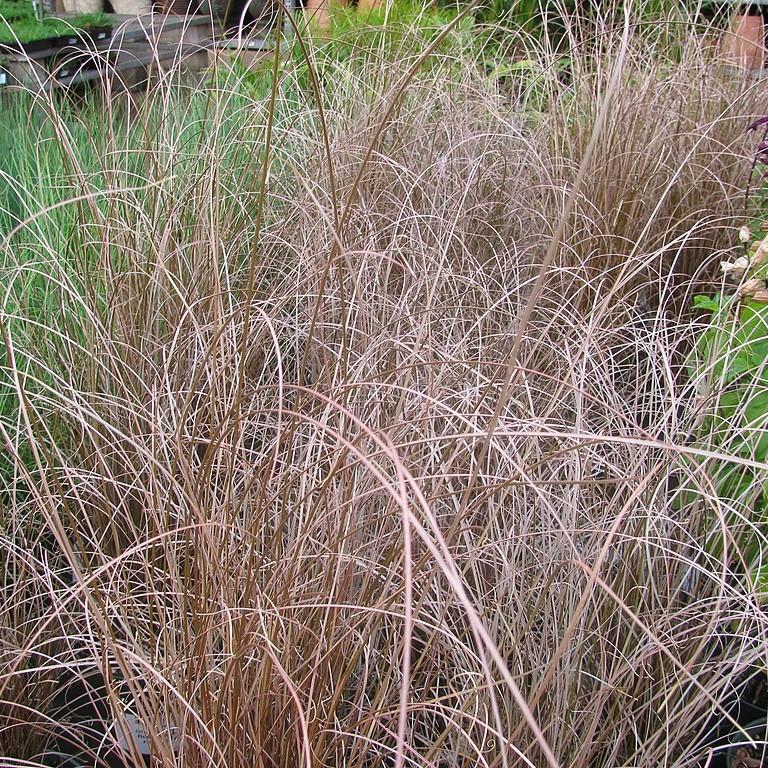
729,365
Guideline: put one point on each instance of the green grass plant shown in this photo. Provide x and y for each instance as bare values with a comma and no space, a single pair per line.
19,26
403,29
92,20
729,363
12,10
27,30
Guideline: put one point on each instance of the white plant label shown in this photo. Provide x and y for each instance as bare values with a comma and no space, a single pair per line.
135,730
138,733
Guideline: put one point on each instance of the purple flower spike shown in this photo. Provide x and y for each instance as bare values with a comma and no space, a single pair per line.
762,121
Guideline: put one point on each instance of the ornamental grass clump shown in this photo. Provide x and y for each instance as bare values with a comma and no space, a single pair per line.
350,431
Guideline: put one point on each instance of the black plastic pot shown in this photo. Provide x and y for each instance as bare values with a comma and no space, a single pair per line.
70,61
750,749
748,706
85,732
71,69
33,46
78,37
98,34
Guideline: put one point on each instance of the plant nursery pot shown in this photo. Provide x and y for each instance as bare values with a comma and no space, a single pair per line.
97,34
747,705
316,13
744,43
749,749
73,62
76,40
68,41
82,6
131,7
33,46
85,732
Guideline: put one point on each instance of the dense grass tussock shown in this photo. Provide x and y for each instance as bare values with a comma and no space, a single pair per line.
327,440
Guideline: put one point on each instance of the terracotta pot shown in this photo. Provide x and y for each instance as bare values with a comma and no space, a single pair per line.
82,6
131,7
744,43
316,13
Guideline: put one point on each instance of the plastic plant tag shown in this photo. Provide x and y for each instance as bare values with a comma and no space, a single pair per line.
136,733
